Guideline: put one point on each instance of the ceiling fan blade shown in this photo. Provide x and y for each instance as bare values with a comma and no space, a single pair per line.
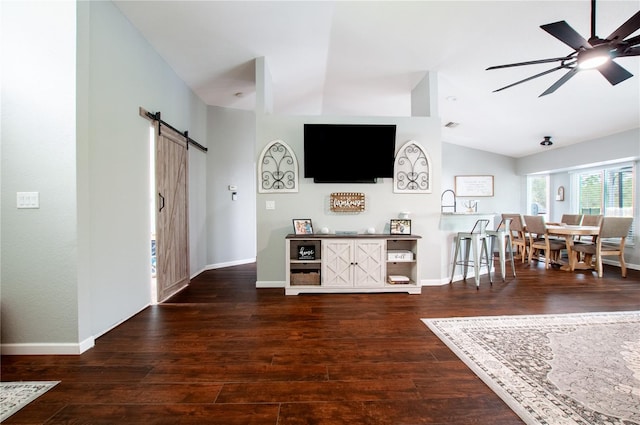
633,41
531,78
534,62
629,47
634,51
628,28
614,73
560,82
563,32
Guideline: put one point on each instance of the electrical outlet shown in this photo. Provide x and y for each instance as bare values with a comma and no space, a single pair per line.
270,205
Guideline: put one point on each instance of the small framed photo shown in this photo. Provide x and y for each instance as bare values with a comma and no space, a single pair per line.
302,226
400,227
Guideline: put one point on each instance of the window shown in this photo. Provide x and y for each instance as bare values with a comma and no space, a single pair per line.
538,193
606,191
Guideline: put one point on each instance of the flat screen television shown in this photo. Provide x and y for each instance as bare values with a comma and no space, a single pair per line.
349,153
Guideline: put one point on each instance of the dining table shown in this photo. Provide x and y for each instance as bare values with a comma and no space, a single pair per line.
570,232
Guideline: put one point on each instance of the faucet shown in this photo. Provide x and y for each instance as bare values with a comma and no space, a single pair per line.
443,206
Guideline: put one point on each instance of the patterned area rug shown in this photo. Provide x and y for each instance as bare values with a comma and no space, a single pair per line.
554,369
15,395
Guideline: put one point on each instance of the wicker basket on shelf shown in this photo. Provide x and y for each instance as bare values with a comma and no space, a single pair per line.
305,278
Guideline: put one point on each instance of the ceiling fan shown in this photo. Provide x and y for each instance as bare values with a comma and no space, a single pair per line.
595,53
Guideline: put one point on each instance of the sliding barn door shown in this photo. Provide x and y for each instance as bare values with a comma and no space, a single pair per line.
172,225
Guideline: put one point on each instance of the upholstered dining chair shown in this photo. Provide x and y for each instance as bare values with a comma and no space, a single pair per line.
518,237
475,240
610,241
571,219
539,240
588,220
591,219
502,236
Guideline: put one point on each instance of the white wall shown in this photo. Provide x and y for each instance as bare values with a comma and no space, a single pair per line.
558,208
127,73
80,264
460,161
614,148
39,246
231,225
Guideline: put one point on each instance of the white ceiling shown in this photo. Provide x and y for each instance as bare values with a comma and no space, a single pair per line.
363,58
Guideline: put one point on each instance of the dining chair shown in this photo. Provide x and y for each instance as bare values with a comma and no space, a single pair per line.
610,241
476,240
571,219
588,220
518,237
502,236
591,219
539,240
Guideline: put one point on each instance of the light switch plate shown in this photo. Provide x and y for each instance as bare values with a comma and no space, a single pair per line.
270,205
28,200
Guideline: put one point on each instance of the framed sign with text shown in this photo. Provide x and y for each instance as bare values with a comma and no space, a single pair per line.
347,202
474,186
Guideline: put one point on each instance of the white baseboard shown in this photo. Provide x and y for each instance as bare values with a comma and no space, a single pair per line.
63,348
48,348
223,265
229,264
435,282
270,284
617,264
198,272
87,344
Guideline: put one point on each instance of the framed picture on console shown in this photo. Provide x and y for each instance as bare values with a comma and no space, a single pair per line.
400,227
302,226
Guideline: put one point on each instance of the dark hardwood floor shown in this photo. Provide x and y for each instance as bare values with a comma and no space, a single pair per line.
224,352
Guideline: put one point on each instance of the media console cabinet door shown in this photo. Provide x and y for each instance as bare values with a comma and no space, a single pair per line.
350,263
336,262
370,263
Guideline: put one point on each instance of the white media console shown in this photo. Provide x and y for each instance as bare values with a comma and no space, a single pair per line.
351,263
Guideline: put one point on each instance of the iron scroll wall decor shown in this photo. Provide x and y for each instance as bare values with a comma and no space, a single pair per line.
412,169
277,169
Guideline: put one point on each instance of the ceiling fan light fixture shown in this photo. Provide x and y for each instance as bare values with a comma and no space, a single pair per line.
593,58
547,141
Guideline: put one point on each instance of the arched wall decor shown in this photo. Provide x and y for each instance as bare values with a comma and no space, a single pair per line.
412,169
277,169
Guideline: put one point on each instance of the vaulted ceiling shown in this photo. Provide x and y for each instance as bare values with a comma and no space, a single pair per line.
363,58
